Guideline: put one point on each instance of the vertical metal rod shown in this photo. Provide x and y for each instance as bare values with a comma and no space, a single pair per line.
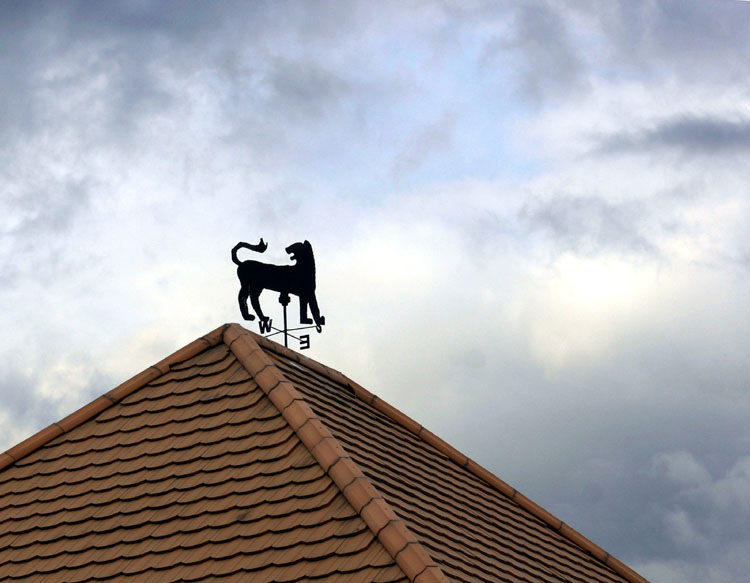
285,341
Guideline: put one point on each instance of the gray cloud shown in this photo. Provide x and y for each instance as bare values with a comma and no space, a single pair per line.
29,411
64,73
135,18
39,223
51,207
700,521
552,66
426,141
305,90
278,116
689,135
590,225
639,474
19,401
697,39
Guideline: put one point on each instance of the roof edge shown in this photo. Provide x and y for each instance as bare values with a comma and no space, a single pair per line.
391,531
41,438
457,457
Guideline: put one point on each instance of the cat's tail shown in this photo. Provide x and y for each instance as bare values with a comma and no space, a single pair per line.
260,248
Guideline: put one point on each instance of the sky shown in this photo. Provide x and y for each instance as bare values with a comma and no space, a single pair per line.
530,220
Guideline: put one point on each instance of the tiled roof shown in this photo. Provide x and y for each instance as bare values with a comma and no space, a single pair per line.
237,459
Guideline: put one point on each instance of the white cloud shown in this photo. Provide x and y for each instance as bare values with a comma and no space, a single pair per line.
681,467
731,493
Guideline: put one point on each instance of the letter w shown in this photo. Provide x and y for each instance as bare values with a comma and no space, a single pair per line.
265,325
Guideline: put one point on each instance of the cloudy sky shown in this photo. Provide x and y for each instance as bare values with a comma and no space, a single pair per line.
530,219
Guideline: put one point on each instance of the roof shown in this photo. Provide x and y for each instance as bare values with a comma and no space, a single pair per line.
236,456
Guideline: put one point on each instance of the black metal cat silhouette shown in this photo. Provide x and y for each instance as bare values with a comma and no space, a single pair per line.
297,279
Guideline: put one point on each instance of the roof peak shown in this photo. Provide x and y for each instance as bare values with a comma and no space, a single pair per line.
250,350
110,398
397,539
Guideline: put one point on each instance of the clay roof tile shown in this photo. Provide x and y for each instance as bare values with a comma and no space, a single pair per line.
235,457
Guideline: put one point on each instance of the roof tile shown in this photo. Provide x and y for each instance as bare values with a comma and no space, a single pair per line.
32,444
237,458
433,487
161,514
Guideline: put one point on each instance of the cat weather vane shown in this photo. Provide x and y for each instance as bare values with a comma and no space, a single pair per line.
297,279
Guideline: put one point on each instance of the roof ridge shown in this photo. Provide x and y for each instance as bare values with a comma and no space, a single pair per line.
457,457
109,398
389,529
410,555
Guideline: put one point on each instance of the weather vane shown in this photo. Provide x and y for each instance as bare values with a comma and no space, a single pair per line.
297,279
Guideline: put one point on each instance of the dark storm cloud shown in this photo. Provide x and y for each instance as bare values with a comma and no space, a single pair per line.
589,225
179,18
644,476
65,68
690,135
82,20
